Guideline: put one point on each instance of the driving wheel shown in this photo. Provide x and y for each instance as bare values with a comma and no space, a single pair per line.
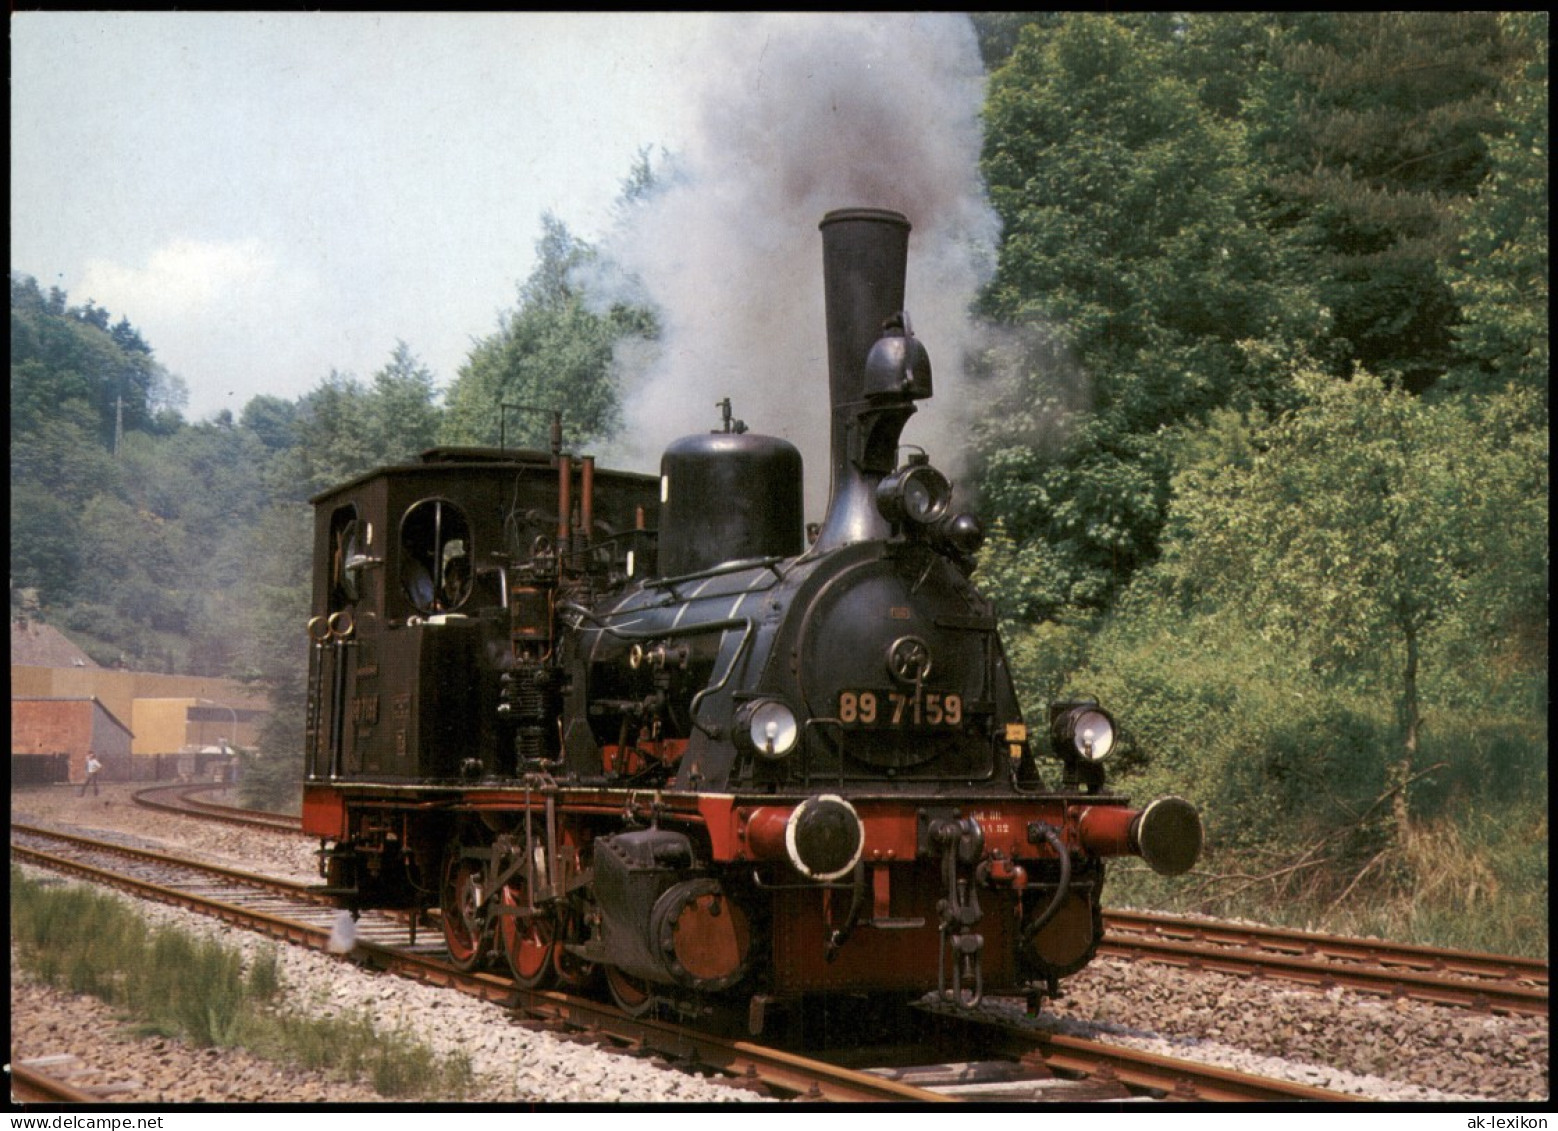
460,904
529,937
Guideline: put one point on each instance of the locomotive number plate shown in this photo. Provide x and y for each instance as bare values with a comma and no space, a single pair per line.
900,708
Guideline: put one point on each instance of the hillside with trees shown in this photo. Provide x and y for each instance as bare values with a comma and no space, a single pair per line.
1299,536
1263,455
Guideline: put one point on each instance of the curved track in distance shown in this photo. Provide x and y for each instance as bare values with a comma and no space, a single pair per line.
183,798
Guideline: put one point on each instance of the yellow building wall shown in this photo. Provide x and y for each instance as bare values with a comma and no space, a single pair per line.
159,725
146,702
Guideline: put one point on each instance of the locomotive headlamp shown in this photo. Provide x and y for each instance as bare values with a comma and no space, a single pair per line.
768,727
1081,730
917,494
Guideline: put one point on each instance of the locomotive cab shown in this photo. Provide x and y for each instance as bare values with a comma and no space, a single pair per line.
422,582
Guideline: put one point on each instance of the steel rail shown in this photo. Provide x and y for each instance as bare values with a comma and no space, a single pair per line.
156,856
1178,1079
1326,973
242,812
211,811
783,1072
1164,1077
32,1087
1311,943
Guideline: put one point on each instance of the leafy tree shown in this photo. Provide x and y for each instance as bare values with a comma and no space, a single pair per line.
343,429
1361,531
46,549
61,355
998,32
272,420
1500,276
60,366
1133,258
553,352
334,440
132,566
273,648
63,456
402,409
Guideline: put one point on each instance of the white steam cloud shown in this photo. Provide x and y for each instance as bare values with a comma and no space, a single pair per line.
800,115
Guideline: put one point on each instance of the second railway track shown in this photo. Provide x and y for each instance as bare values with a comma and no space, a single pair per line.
1495,983
187,799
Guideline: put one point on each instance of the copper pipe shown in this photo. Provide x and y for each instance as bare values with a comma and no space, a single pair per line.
587,498
564,502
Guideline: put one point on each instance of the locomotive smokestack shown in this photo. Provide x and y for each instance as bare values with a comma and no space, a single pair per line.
865,255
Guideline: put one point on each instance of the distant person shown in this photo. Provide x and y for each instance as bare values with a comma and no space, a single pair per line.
94,767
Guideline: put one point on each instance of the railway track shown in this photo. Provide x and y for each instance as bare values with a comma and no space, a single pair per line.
185,799
289,911
1016,1065
1493,983
1104,1070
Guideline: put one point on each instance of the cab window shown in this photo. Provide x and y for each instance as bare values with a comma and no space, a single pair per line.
435,556
348,557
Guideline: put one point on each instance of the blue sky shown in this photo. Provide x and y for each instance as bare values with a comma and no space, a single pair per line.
269,196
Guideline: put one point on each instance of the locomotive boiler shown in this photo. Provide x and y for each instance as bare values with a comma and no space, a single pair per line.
644,729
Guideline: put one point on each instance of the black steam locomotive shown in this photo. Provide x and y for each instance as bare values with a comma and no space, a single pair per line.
700,757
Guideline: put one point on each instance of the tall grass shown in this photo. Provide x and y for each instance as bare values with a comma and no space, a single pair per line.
1474,878
172,983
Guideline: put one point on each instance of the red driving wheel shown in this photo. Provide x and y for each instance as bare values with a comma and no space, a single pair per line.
529,938
460,900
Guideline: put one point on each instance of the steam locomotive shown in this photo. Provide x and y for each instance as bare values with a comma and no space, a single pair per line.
711,761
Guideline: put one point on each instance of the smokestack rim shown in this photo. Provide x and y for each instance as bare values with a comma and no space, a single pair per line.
876,215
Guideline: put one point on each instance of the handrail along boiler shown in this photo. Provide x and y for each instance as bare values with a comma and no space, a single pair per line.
708,762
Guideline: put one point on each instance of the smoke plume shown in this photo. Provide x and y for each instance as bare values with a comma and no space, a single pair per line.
800,115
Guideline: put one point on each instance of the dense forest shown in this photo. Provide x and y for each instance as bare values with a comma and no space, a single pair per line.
1297,538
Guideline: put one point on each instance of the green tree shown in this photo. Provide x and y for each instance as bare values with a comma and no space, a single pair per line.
63,356
402,409
1359,531
46,549
553,352
1134,265
1373,129
205,482
1500,276
272,647
273,421
342,428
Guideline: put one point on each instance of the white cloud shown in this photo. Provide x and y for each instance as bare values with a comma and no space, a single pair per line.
185,278
226,316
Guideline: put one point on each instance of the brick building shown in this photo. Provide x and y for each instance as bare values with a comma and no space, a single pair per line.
72,727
